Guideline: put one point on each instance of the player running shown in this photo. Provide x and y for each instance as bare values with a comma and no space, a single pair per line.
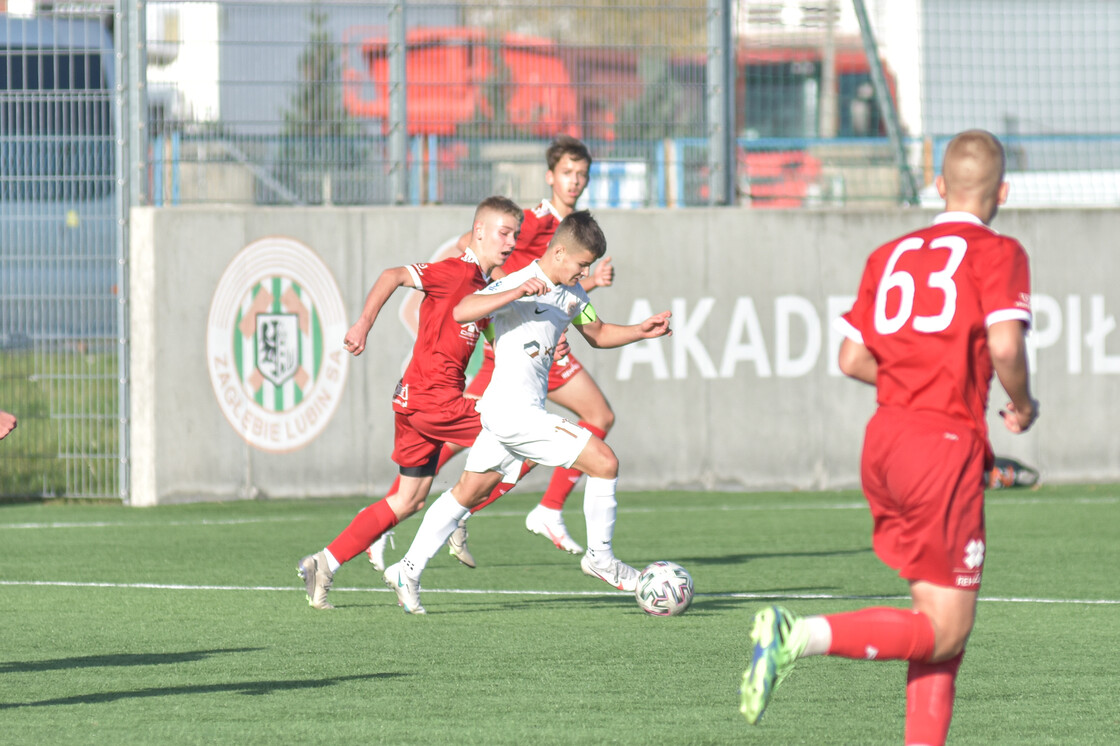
569,384
429,406
937,311
529,310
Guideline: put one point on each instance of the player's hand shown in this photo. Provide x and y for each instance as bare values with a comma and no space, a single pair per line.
562,347
1018,421
355,340
657,326
533,286
603,275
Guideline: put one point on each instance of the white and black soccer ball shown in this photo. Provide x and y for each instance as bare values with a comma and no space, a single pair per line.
664,589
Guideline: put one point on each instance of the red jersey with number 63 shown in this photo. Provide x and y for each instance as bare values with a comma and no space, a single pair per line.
437,370
924,306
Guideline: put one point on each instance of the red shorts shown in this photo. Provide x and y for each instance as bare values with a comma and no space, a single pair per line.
421,432
560,373
923,476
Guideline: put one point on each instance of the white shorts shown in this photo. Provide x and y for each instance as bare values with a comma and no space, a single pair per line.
539,436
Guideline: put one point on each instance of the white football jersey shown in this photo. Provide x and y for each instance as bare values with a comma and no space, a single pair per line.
525,334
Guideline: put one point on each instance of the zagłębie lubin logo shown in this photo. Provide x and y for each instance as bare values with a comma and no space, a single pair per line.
274,344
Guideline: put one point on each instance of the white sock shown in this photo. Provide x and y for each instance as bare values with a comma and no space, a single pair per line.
599,509
440,520
820,636
332,563
551,515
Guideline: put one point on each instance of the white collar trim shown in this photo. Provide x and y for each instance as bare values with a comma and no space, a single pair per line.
958,217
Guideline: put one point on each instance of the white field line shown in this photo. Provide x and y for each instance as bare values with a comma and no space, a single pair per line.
991,502
554,594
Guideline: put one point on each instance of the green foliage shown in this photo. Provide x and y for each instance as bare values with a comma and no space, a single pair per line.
663,110
187,624
319,136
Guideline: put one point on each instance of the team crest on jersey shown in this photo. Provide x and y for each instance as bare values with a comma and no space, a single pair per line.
470,333
274,345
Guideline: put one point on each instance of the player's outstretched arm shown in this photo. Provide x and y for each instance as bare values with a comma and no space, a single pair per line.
391,279
480,305
1008,347
604,336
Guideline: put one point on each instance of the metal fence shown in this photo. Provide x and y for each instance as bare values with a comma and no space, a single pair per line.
62,350
284,103
756,104
290,103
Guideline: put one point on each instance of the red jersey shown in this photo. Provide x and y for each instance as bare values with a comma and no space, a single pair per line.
537,229
923,310
443,347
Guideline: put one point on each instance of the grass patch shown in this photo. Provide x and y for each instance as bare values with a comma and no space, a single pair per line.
186,624
67,440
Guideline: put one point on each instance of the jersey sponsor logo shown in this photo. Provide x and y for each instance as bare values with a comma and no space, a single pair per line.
974,554
274,344
400,396
968,581
538,309
470,333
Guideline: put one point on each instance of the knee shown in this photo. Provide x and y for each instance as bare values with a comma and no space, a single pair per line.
949,642
601,416
609,467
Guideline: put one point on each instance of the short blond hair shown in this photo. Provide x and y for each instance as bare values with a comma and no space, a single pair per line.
974,163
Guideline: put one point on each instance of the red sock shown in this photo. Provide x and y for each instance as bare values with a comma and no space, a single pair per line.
881,633
503,487
564,480
445,454
367,525
930,689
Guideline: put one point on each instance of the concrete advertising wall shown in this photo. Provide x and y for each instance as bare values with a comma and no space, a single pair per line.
240,387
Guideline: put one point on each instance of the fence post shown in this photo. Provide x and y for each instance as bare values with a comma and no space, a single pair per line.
398,110
886,104
721,116
131,146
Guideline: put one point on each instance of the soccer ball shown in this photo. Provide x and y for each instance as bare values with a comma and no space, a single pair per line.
664,589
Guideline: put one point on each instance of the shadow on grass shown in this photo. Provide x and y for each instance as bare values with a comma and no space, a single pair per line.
124,659
248,688
734,559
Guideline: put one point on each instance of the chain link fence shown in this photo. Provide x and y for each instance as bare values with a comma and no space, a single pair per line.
825,103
